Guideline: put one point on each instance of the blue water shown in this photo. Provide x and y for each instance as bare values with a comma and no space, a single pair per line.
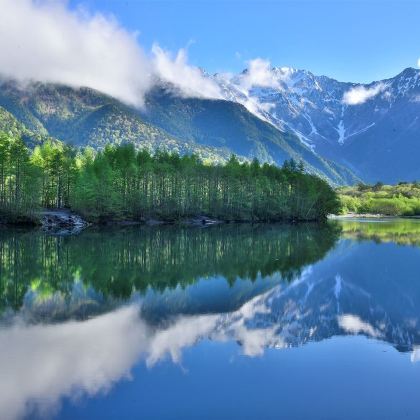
326,334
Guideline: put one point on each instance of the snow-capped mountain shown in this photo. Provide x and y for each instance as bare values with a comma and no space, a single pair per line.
372,128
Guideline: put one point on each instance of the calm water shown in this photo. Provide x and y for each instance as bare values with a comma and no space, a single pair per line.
232,322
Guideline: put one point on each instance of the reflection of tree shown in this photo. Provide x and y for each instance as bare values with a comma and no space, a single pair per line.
119,261
402,232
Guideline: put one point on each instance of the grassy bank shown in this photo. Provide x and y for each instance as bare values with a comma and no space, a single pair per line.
402,199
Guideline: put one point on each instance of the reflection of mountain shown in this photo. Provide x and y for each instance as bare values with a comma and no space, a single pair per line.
87,274
368,289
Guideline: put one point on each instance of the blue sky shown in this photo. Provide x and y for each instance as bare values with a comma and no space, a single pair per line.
356,40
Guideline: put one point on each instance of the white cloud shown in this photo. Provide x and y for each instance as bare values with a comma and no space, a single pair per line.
418,62
45,41
259,73
176,70
360,94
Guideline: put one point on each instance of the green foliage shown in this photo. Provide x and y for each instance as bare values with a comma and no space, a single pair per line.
122,183
19,180
391,200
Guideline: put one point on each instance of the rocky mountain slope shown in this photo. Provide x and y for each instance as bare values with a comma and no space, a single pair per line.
374,129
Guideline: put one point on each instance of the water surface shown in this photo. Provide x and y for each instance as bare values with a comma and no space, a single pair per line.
226,322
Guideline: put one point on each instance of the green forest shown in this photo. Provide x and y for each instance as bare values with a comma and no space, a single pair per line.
122,183
390,200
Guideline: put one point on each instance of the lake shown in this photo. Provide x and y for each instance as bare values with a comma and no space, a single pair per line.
224,322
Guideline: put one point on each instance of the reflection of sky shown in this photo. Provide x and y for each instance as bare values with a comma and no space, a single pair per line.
359,289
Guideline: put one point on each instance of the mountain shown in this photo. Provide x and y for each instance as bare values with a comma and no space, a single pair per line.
85,117
375,132
223,123
213,129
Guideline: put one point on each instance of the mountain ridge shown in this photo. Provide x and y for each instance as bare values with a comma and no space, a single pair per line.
371,128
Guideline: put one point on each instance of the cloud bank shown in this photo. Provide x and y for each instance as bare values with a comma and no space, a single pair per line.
45,41
360,94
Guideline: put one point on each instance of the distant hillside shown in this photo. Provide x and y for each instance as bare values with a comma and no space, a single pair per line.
211,129
221,123
84,117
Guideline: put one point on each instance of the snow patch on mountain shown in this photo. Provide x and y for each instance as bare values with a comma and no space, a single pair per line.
341,132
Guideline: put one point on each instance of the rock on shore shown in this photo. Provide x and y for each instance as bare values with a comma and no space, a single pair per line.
62,222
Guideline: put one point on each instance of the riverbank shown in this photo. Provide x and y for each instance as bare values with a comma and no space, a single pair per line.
65,221
368,216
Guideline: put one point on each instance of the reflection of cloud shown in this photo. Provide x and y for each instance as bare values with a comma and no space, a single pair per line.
354,325
40,364
415,355
183,333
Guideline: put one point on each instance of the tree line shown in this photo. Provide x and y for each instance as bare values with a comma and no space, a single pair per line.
121,182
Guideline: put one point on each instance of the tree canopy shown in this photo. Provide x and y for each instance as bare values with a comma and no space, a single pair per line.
121,183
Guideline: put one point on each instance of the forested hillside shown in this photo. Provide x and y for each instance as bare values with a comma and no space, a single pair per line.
120,183
211,129
83,117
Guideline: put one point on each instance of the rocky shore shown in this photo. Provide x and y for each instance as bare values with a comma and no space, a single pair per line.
61,222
